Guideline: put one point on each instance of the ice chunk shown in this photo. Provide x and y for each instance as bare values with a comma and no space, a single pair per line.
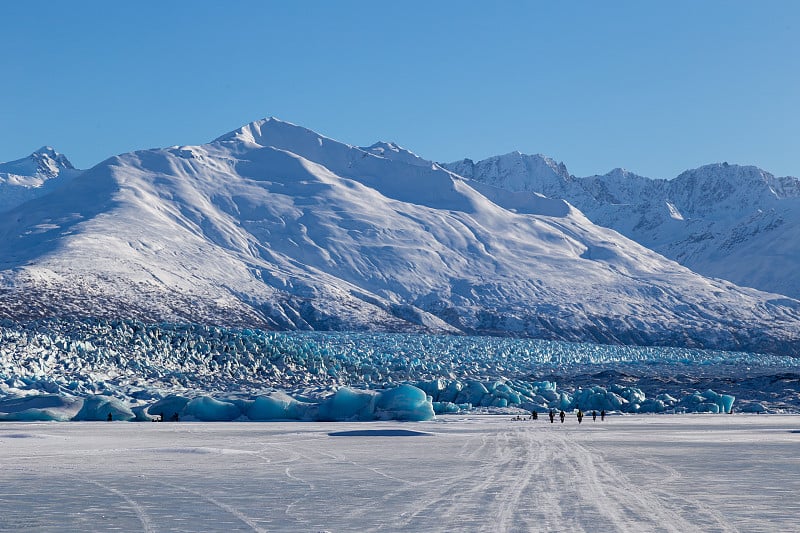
473,392
276,406
723,401
100,407
169,408
652,406
39,407
349,404
141,414
707,402
443,408
405,402
208,409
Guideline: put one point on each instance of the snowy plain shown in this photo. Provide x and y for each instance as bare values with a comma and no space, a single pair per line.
456,473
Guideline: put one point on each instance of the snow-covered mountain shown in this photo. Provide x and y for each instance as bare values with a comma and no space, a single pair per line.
276,226
39,173
738,223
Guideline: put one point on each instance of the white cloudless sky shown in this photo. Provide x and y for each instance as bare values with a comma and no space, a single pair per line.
655,87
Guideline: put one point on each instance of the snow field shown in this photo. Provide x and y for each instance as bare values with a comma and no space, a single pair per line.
475,473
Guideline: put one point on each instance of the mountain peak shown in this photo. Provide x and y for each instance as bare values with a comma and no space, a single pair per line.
271,131
44,163
516,172
51,162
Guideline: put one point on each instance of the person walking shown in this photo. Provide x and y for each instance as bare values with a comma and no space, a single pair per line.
580,416
594,416
602,415
561,415
552,416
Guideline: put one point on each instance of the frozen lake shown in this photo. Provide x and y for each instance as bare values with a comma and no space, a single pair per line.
457,473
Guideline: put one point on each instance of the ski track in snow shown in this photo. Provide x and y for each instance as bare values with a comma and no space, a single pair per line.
551,468
225,507
481,473
141,513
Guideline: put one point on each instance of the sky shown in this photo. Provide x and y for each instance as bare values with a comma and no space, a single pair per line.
655,87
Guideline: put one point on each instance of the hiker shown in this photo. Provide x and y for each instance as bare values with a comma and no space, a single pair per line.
175,417
561,415
552,416
580,416
602,415
594,416
110,418
534,415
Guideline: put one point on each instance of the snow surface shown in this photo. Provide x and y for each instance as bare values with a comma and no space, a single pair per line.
459,473
278,227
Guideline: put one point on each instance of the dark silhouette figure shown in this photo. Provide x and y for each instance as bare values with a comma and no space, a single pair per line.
552,416
561,415
110,418
602,415
534,415
594,416
580,416
175,417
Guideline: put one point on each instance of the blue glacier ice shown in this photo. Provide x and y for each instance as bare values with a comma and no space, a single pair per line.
348,404
96,408
405,402
155,369
39,407
207,409
276,406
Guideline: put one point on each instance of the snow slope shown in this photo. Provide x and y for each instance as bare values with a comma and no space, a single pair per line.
39,173
738,223
276,226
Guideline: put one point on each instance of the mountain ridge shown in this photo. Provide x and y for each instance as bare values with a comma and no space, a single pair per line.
276,226
727,221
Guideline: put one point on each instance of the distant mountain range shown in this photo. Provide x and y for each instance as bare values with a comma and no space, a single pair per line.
275,226
32,176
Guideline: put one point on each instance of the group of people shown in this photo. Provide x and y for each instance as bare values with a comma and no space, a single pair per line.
562,415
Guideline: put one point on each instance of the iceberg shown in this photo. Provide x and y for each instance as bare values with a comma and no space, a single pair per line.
276,406
348,404
405,402
39,407
207,409
96,408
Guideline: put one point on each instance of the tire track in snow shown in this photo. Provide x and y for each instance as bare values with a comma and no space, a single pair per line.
673,476
636,506
443,495
221,505
541,478
147,525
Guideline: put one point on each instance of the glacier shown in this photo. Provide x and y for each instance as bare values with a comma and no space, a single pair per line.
57,370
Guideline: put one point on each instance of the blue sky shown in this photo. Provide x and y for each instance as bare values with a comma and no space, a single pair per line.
655,87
